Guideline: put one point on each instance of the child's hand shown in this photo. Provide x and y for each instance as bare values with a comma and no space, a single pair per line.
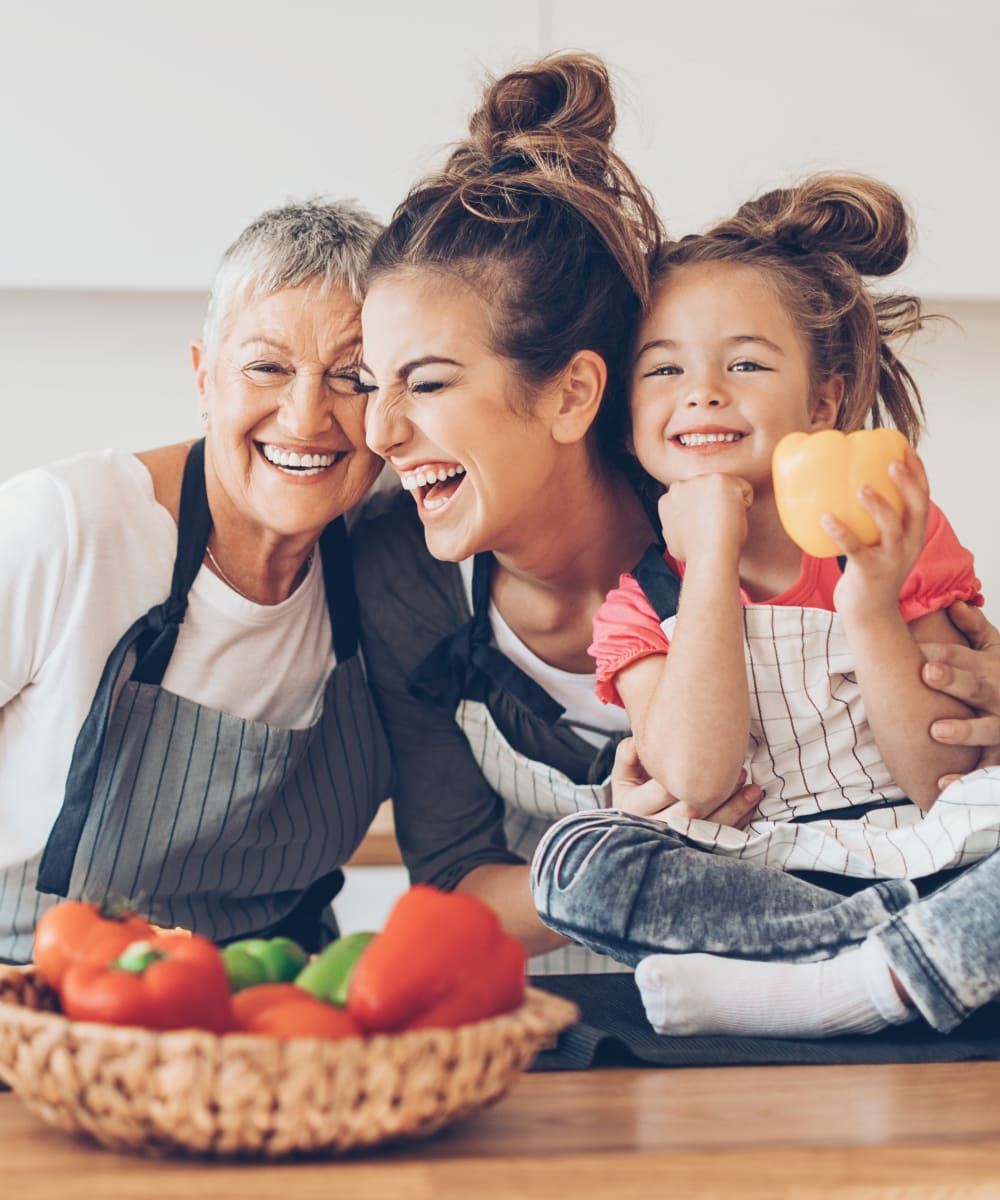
633,791
706,512
874,575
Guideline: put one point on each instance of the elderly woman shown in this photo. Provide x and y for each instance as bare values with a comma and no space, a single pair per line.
184,719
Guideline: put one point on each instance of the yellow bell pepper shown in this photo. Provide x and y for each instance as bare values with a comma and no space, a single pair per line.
821,473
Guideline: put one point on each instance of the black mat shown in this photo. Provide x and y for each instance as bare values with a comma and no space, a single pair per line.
613,1031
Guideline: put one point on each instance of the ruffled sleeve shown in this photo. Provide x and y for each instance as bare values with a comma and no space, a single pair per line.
625,629
945,572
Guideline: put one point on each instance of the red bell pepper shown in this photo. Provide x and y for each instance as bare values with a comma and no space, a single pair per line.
171,981
283,1010
442,960
75,931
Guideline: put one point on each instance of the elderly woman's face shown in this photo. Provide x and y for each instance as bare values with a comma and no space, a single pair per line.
286,449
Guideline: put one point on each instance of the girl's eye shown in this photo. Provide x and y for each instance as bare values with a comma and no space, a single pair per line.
666,369
747,364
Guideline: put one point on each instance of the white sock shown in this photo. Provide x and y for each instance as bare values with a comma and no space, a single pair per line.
685,994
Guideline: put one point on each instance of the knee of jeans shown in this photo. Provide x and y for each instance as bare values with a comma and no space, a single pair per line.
566,852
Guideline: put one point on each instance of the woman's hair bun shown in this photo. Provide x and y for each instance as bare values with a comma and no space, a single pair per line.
860,219
557,113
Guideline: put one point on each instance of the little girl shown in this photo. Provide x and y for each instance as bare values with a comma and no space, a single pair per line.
762,327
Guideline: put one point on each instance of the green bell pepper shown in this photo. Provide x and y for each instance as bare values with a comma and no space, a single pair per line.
328,976
262,960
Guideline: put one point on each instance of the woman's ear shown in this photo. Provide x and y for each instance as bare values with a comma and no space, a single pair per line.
578,394
826,404
199,361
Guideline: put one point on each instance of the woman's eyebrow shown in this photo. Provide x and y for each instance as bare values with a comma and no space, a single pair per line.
263,339
412,365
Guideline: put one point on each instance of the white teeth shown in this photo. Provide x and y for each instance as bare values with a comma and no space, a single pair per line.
706,439
423,476
299,464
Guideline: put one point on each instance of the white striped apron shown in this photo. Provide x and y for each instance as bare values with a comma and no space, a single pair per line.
226,826
829,801
534,795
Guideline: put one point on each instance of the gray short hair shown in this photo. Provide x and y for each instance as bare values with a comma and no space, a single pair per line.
329,241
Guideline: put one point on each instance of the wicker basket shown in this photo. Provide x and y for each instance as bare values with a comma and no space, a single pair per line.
195,1093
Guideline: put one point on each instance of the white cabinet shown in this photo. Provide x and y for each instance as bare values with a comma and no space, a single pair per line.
138,138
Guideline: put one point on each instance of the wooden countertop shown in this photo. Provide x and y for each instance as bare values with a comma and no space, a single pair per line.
920,1130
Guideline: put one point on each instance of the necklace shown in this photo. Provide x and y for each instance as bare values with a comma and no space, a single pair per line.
239,592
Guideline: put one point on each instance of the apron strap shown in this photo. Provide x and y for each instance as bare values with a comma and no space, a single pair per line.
341,598
465,666
194,524
659,582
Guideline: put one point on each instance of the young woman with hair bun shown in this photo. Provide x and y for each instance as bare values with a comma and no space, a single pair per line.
765,326
502,301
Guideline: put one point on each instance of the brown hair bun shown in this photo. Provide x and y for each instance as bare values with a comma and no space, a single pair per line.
859,219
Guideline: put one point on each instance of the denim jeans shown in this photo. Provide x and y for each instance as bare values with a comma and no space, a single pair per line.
629,886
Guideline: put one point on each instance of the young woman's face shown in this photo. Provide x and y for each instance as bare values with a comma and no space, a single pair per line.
721,376
285,448
450,416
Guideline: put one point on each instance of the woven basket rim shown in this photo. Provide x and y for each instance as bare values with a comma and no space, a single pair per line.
553,1010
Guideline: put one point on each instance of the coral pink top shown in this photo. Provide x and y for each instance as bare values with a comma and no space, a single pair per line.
626,628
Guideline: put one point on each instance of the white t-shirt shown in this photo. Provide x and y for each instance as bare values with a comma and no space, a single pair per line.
592,720
85,549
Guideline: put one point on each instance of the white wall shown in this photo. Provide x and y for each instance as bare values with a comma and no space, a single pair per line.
137,139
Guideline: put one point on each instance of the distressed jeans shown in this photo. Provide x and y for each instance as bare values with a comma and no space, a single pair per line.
629,886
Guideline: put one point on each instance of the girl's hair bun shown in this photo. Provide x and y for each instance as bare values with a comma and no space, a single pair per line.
859,219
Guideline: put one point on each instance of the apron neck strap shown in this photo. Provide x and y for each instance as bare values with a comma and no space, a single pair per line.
465,666
156,642
338,579
659,581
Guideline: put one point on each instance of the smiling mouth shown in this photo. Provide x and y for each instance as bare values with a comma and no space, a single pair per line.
433,485
707,439
290,462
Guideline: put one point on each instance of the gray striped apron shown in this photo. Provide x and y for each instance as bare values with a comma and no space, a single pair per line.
460,671
830,804
225,826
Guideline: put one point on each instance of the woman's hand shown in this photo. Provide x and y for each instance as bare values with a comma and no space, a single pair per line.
633,791
971,674
708,511
874,575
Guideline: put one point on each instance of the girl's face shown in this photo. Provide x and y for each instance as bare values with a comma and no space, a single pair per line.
721,376
444,411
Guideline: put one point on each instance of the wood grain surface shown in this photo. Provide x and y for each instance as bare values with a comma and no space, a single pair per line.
906,1130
